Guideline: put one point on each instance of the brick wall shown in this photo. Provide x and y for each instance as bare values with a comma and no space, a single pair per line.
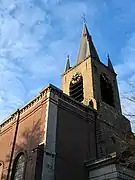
75,141
30,134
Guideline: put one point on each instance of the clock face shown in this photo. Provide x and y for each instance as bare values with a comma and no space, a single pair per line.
76,78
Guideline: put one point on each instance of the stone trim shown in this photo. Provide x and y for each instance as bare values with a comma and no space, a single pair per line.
50,136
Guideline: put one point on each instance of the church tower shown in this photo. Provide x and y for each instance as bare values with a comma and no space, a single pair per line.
94,84
90,81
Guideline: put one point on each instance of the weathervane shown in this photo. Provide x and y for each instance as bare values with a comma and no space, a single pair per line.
84,18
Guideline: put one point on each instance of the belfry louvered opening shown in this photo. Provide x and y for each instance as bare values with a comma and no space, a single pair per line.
106,90
76,87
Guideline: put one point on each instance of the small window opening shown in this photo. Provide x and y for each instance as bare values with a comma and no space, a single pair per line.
91,103
76,87
106,90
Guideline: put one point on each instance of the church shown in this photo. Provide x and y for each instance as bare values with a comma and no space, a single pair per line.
73,133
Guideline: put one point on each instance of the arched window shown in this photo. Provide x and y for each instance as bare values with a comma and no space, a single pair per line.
18,167
76,87
106,90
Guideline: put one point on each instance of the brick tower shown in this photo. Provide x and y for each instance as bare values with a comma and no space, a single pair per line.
98,80
95,85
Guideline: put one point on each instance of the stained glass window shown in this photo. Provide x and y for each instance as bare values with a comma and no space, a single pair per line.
18,167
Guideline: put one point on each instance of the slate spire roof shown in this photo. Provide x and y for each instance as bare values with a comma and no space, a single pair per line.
110,66
86,46
67,64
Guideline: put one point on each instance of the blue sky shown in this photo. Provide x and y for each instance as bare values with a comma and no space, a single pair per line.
37,35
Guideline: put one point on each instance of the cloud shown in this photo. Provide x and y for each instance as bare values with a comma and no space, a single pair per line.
35,37
126,68
126,77
20,45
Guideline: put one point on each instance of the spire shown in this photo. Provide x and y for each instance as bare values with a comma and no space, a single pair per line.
67,64
110,66
86,46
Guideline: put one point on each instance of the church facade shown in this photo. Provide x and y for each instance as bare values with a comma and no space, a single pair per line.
74,133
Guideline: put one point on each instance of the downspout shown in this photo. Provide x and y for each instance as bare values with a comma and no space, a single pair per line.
14,142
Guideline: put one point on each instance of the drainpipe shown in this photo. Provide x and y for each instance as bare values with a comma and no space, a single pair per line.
14,142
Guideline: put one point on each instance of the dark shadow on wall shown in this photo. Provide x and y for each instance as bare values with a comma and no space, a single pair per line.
30,146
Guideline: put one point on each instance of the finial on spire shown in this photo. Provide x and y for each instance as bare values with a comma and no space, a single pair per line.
84,18
67,63
108,56
110,66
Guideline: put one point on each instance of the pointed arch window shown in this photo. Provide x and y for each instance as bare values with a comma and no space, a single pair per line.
18,167
106,90
76,87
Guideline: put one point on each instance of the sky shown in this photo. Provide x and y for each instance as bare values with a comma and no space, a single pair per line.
37,35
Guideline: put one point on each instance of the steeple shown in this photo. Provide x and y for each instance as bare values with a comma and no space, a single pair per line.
67,64
86,46
110,66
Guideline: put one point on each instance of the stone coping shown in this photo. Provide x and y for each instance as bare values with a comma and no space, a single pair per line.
110,159
25,107
39,97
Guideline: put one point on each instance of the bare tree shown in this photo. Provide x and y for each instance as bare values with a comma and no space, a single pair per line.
127,143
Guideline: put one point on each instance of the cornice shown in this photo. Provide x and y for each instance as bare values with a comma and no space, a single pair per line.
54,90
26,107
